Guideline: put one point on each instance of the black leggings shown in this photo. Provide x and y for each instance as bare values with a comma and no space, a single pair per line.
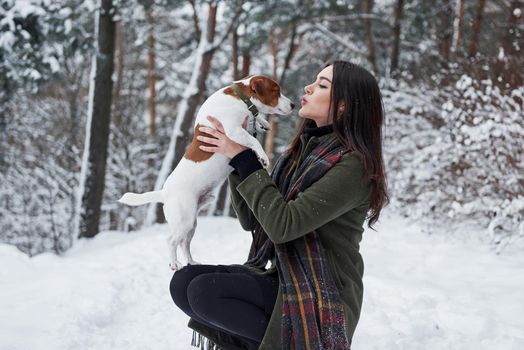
225,297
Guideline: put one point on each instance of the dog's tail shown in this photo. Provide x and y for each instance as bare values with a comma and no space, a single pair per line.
131,198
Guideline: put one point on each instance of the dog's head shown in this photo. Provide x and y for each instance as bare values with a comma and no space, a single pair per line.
265,94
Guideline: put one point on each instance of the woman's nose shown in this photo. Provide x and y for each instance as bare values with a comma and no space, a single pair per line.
307,89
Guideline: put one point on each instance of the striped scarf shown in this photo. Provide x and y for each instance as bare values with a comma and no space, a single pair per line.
312,309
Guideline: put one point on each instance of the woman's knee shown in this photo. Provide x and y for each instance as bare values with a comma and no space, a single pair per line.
200,293
183,277
178,285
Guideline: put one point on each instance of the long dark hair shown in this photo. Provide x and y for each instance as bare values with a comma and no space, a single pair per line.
358,127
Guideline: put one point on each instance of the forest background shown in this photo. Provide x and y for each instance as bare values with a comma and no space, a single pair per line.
450,72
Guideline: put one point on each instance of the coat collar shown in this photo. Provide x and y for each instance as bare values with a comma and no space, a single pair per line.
311,129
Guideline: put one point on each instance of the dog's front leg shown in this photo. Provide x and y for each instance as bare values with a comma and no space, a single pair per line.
241,136
262,124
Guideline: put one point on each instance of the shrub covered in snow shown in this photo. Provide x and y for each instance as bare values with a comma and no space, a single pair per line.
456,154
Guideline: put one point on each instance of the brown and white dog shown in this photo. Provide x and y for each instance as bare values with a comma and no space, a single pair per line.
190,187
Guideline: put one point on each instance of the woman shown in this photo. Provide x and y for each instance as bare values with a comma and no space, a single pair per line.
306,218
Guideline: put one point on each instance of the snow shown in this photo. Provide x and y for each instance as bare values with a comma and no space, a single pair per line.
112,292
501,54
24,8
7,39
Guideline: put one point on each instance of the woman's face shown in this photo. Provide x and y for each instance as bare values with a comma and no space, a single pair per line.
315,103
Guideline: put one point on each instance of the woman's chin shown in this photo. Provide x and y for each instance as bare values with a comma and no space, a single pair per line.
301,113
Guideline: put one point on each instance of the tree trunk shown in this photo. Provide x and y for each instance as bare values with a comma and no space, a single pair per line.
195,20
234,55
151,104
73,116
246,62
512,44
116,111
511,32
367,8
119,67
444,30
458,22
270,136
74,81
151,99
4,112
292,48
95,151
113,220
477,24
395,52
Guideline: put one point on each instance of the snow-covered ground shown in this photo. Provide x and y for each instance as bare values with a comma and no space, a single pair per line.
112,292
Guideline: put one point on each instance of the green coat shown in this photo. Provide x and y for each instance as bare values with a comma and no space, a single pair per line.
336,206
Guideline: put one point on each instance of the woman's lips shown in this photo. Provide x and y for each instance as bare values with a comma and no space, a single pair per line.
303,101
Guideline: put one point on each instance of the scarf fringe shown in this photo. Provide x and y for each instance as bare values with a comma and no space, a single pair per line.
204,343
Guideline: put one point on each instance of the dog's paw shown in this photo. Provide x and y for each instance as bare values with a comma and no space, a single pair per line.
264,160
262,124
175,266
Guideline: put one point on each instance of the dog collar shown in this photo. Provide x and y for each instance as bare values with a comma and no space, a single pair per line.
250,106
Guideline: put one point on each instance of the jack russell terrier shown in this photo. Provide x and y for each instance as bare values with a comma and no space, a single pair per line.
189,188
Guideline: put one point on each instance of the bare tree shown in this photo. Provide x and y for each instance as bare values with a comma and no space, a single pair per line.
119,62
274,40
395,53
477,22
234,55
151,103
246,62
444,30
511,32
367,8
269,137
512,44
458,22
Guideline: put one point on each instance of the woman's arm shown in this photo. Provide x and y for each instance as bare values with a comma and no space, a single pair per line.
244,214
341,189
244,163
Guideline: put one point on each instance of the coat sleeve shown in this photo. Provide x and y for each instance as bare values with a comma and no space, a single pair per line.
339,190
244,214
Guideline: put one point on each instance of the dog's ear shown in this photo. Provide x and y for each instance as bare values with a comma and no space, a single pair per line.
265,89
259,85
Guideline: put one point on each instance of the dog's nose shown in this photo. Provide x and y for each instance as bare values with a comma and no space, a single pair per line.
292,105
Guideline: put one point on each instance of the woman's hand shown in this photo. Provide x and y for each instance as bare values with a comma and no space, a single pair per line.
223,143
